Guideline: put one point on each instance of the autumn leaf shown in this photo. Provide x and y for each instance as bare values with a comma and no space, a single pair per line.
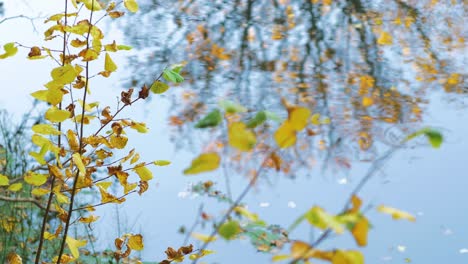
161,162
395,213
241,137
131,5
203,163
204,238
285,136
56,115
35,179
45,129
298,118
360,230
74,244
135,242
64,75
159,87
109,64
321,219
348,257
15,186
144,173
385,39
10,50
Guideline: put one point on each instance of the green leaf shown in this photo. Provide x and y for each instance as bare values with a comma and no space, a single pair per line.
231,107
435,137
257,120
172,76
273,116
124,47
212,119
10,50
229,230
159,87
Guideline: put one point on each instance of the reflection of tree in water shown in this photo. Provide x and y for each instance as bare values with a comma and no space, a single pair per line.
366,65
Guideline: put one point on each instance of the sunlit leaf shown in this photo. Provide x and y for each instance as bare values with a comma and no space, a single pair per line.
45,129
201,254
241,137
298,118
395,213
348,257
203,163
13,258
212,119
161,162
131,5
92,5
203,238
360,230
74,244
385,39
135,242
79,164
35,179
89,219
56,115
285,136
40,191
144,173
15,187
10,50
65,74
109,64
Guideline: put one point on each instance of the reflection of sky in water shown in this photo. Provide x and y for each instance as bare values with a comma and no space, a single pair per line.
429,183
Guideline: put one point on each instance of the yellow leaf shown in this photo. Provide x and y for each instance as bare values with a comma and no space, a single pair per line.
315,119
10,50
140,127
73,140
201,254
204,162
74,244
118,142
14,258
161,162
144,173
360,230
367,101
45,129
92,5
280,258
204,238
86,119
298,118
302,250
15,187
135,242
385,39
131,5
285,136
395,213
4,180
40,192
109,65
61,198
135,158
89,219
65,74
246,213
35,179
241,137
348,257
79,164
56,115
